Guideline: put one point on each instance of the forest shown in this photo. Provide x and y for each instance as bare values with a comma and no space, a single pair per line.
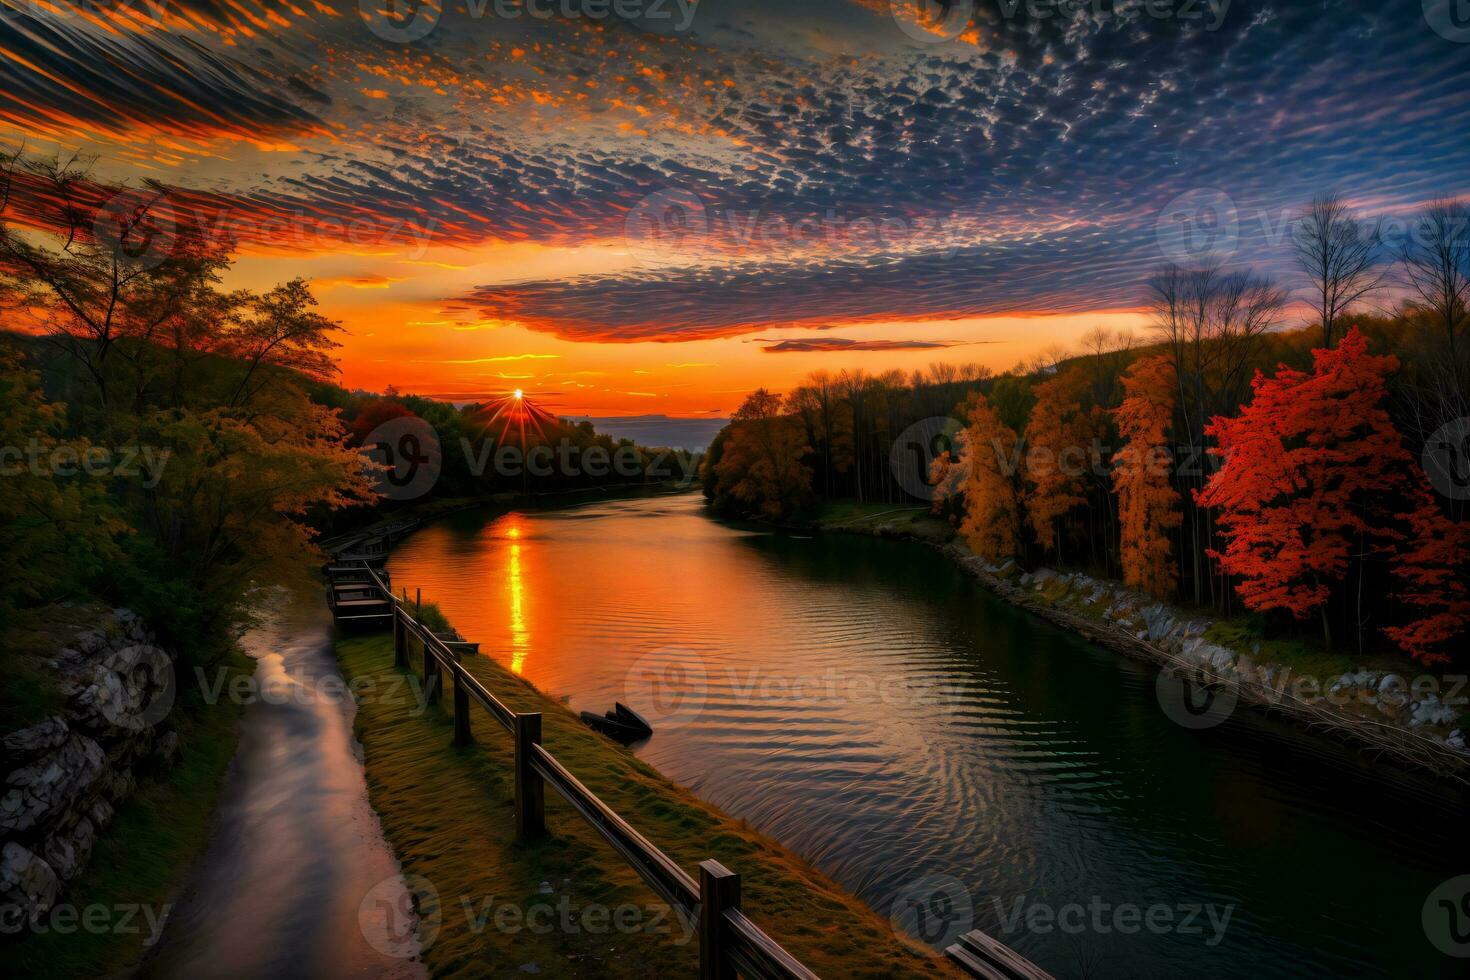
1226,459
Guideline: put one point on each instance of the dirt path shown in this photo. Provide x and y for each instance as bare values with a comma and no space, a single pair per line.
297,880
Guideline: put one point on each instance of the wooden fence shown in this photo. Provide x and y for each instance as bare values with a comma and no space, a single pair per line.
730,944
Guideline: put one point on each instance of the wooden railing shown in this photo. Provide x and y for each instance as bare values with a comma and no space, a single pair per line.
730,944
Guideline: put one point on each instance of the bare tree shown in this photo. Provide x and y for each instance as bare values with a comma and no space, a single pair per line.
1339,261
1436,264
1212,324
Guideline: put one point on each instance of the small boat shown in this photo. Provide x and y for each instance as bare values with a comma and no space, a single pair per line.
622,723
621,712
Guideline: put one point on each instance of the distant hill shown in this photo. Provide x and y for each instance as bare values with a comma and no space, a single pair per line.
658,430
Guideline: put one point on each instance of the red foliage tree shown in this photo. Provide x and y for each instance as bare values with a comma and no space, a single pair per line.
1429,570
1313,466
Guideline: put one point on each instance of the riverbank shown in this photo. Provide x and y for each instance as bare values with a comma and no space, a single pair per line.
1388,706
568,906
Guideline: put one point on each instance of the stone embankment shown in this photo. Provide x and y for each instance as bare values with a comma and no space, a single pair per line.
65,776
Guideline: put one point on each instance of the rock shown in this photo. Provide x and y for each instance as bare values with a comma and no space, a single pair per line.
67,854
128,690
28,743
28,886
90,641
41,792
1431,712
1456,740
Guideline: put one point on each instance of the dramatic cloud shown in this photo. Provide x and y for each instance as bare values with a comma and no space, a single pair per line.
841,344
775,164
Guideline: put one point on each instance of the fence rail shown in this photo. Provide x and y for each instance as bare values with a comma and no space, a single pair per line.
730,944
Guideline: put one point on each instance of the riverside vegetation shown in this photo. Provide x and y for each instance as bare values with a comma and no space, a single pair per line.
1269,476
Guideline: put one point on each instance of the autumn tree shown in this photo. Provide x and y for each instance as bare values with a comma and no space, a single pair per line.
761,470
1213,325
211,383
1430,571
1148,506
987,481
1060,439
1308,467
56,525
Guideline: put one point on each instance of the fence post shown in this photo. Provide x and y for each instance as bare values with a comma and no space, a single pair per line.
400,645
461,712
432,679
719,890
530,790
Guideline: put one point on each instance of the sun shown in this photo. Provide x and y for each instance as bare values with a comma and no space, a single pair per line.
519,394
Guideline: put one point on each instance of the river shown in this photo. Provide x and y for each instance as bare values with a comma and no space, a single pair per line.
948,757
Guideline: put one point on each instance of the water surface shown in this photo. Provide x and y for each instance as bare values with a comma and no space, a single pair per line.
935,749
297,880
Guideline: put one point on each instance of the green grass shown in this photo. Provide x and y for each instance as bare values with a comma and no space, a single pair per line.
448,814
1302,656
142,858
903,519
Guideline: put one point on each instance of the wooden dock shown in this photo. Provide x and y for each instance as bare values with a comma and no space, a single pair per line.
981,956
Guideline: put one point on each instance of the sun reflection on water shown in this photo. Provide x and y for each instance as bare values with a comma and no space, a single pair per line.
520,637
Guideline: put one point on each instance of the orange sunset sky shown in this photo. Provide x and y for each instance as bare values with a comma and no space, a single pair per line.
657,213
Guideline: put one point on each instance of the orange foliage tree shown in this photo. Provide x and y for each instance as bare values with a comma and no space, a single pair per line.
992,521
1148,506
1059,440
761,468
1304,464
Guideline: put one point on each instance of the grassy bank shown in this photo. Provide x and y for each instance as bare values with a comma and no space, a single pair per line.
142,858
448,814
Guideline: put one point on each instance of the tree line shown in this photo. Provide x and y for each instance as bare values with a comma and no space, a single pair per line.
1225,460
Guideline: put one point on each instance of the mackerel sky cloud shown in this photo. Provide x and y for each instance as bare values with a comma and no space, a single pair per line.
772,165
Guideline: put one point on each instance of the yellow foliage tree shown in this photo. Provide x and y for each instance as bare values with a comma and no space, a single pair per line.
1059,443
1148,507
992,522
